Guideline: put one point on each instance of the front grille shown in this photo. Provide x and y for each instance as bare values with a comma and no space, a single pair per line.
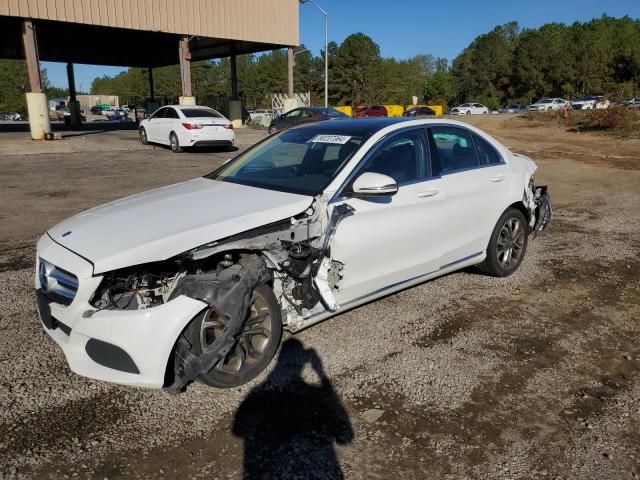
56,283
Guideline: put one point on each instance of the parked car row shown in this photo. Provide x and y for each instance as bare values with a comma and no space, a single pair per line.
13,116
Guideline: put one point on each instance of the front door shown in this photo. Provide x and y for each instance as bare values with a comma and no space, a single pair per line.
156,125
389,240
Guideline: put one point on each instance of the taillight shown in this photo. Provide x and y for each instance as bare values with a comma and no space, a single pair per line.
229,126
192,126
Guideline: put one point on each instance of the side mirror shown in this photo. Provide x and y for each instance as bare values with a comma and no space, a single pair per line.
146,115
372,184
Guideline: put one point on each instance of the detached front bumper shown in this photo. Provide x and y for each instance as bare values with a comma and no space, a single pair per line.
130,347
543,211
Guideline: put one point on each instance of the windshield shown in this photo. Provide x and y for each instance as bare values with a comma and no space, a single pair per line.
545,100
200,113
465,105
302,160
588,98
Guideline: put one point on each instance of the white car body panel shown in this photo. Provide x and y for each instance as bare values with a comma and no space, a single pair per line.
127,329
381,245
166,221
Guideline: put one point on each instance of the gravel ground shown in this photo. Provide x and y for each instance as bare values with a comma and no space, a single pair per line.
466,376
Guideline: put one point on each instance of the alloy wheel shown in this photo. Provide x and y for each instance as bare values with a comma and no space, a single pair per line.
252,343
510,243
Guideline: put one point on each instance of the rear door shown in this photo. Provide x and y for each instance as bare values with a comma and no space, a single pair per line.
170,123
473,178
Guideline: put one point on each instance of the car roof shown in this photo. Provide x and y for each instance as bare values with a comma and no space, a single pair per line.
201,107
355,126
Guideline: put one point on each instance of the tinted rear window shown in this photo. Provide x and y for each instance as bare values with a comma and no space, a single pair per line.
200,113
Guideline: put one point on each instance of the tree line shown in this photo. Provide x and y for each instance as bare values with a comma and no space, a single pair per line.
507,64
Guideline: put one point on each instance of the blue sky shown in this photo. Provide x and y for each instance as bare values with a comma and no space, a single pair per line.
404,28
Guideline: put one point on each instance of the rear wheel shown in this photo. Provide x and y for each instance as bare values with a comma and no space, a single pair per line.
174,143
508,244
256,345
143,136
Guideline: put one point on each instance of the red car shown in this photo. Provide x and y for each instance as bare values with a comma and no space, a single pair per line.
370,111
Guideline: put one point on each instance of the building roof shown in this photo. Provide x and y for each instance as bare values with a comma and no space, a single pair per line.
145,33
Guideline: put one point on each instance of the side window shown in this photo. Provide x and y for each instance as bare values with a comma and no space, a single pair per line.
401,157
293,114
159,113
486,153
171,113
307,113
453,150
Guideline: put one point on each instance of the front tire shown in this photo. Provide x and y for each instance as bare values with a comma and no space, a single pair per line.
143,136
257,344
508,244
174,143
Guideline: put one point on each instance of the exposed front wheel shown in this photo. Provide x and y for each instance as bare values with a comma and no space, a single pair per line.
174,143
256,345
143,136
507,245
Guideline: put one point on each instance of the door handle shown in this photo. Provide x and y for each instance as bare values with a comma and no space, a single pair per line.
428,193
498,178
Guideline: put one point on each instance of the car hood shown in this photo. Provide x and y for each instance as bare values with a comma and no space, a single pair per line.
164,222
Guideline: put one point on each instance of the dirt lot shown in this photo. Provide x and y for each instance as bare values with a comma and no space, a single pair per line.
534,376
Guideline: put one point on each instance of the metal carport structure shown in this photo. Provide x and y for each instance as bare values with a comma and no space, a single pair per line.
141,33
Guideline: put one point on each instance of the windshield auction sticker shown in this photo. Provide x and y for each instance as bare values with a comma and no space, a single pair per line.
337,139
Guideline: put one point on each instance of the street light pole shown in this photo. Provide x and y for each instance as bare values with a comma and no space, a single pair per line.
326,51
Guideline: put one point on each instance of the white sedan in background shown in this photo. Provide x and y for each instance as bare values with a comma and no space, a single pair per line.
469,109
315,220
548,104
183,126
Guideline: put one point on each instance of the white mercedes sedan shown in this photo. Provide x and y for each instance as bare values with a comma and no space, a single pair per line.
197,280
184,126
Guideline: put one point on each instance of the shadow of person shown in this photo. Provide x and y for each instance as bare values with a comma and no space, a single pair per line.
288,425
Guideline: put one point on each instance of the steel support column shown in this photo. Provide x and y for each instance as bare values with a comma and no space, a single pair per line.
71,82
185,66
31,56
152,93
234,77
290,73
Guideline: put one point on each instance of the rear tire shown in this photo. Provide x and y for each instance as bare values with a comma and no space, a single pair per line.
252,353
174,143
507,245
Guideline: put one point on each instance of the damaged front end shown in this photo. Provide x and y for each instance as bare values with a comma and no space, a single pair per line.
292,257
